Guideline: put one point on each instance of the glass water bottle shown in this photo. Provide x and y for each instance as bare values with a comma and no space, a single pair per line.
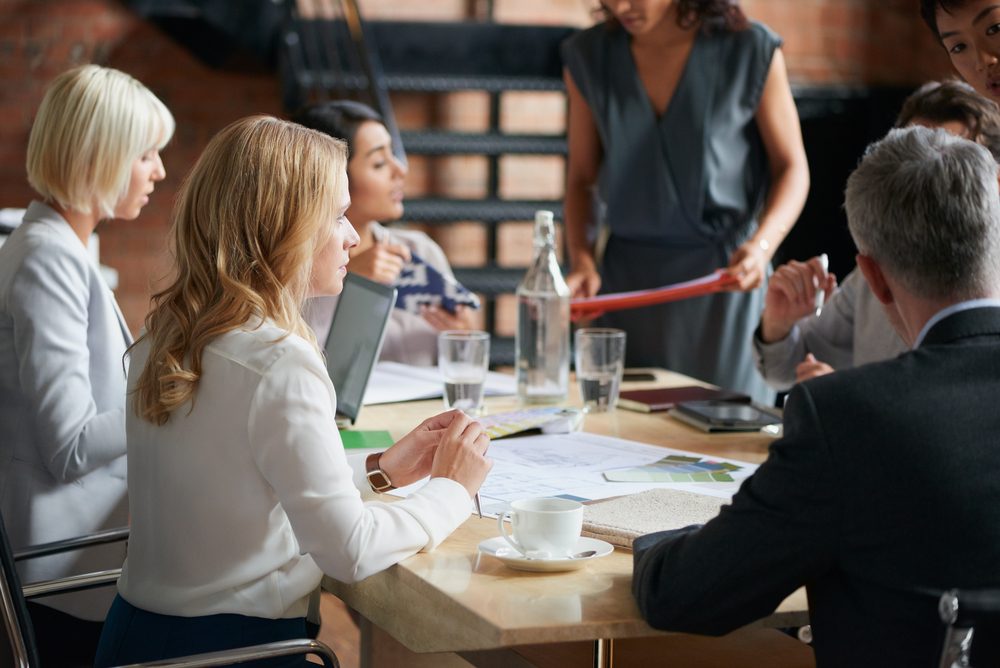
542,341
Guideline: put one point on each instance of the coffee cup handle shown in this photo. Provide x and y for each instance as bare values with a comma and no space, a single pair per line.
506,536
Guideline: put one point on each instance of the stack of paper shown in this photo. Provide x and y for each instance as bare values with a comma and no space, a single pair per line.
391,382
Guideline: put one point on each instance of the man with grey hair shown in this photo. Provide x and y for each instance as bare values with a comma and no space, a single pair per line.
887,479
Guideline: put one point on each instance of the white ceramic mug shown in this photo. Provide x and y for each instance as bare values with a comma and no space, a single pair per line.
543,528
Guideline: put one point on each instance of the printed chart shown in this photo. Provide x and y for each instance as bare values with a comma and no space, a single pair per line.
677,468
576,466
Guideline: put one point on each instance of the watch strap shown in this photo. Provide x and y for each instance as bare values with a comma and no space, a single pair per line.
377,478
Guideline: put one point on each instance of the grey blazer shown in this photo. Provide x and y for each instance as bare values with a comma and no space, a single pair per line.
62,397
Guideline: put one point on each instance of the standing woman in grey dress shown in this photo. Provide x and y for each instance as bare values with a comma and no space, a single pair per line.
685,155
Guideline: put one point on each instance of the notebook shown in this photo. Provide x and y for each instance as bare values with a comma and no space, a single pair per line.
355,341
622,519
665,398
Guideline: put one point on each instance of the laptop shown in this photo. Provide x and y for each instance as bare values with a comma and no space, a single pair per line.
355,341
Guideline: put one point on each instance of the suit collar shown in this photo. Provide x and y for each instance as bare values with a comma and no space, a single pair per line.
40,212
981,321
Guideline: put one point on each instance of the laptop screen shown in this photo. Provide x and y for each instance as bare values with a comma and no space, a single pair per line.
355,339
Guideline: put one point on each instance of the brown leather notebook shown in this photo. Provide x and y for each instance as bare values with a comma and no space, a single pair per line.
665,398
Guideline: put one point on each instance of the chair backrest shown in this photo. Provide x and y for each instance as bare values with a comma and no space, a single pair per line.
17,645
972,628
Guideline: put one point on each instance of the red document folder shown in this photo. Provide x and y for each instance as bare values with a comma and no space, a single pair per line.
589,307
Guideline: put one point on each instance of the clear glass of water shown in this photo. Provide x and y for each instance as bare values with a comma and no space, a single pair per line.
600,361
463,358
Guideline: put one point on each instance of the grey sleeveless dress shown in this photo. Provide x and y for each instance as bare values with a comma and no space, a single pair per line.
679,193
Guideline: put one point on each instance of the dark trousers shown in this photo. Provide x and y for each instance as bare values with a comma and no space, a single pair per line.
132,635
63,640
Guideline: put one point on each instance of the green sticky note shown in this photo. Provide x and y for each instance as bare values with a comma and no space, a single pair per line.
365,439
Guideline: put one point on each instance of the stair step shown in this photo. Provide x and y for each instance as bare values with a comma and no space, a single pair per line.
441,210
501,351
493,143
443,83
490,279
427,83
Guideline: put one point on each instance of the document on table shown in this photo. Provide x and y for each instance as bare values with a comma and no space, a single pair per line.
573,466
391,382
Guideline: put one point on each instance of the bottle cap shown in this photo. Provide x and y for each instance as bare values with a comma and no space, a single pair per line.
544,226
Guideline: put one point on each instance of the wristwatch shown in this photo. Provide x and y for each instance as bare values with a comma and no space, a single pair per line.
377,478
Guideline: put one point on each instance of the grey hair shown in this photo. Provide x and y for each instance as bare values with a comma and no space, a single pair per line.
925,205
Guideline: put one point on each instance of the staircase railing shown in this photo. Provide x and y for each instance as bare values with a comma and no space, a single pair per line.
326,47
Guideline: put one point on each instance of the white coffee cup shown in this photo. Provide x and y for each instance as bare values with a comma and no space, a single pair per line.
543,528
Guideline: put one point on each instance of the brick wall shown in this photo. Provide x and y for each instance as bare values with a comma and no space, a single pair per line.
827,41
853,41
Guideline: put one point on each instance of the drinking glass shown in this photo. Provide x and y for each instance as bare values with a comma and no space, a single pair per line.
600,361
463,358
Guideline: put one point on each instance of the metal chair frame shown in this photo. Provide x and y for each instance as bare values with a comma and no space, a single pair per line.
21,637
960,610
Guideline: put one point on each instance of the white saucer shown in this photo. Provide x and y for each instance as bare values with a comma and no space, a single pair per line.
498,547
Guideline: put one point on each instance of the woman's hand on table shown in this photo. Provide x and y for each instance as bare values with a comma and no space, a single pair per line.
442,320
461,454
410,458
449,444
811,367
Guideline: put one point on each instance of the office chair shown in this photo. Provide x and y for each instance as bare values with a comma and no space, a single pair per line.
17,645
972,627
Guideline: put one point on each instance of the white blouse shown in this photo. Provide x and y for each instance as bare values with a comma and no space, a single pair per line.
242,500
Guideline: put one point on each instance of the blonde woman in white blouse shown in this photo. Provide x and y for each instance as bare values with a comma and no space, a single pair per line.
242,495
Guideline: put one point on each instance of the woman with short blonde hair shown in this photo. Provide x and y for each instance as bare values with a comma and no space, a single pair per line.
91,126
93,154
247,496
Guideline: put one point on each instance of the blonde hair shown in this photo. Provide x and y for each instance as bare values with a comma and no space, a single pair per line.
249,219
92,125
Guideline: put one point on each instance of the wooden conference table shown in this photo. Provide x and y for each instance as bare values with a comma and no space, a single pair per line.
456,600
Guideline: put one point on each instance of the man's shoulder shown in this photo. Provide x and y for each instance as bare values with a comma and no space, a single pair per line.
913,377
863,379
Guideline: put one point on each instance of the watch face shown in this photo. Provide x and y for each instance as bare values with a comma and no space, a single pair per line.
379,481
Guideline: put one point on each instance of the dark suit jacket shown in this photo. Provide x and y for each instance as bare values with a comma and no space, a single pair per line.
887,478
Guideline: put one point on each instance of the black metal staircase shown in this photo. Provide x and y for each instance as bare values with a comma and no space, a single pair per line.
325,58
344,56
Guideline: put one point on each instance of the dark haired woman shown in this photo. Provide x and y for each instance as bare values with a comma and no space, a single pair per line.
967,29
376,183
685,151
